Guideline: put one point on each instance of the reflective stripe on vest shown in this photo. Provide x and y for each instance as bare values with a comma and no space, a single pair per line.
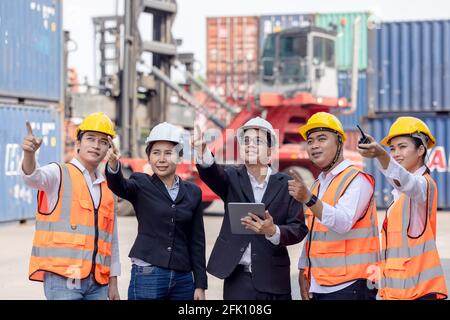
65,227
411,282
69,253
352,234
68,249
353,262
331,262
411,266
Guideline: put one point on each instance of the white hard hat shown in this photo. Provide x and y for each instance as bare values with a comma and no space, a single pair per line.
165,132
258,123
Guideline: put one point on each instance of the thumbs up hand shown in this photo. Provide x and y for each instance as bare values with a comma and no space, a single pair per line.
30,143
297,188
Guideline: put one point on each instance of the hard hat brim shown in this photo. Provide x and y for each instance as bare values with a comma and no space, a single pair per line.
158,140
240,133
108,134
309,127
385,141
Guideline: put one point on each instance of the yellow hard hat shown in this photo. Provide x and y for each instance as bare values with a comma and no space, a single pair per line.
322,120
409,126
98,122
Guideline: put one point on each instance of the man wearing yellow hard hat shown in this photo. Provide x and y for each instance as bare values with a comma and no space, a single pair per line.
411,267
341,252
75,249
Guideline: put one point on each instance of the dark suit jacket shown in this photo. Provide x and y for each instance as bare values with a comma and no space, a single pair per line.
170,233
270,263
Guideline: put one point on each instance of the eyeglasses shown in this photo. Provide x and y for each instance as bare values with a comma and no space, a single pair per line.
255,141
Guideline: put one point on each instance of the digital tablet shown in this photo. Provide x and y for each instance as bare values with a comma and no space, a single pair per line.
239,210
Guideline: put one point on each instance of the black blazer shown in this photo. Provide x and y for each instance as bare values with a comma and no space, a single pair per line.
270,263
171,234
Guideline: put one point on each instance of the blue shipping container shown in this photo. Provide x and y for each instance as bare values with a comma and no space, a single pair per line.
438,159
31,49
410,67
345,90
17,200
275,23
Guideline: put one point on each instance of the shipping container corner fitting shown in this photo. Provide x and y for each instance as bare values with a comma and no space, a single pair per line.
18,200
31,49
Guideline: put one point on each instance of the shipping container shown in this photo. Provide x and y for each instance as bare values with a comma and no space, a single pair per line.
31,49
343,23
232,46
352,139
233,85
345,90
437,160
411,67
19,201
278,22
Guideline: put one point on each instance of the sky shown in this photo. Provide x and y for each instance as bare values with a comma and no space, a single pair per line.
190,21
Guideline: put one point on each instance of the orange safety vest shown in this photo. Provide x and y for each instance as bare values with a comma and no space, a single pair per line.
74,238
411,267
335,258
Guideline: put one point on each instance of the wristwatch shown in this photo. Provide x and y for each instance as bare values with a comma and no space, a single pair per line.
311,201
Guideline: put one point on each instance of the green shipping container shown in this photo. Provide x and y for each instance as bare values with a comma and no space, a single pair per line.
343,22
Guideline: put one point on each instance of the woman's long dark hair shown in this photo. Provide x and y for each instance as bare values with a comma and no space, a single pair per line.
417,143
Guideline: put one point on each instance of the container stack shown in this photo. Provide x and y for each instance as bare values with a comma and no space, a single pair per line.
404,69
343,23
410,76
234,45
232,57
31,89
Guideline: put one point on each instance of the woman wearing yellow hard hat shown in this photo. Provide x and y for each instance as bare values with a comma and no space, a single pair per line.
411,267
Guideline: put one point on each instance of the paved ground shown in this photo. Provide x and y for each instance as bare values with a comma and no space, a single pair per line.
16,243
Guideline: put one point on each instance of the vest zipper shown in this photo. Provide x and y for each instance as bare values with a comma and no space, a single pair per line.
310,237
309,248
94,256
386,219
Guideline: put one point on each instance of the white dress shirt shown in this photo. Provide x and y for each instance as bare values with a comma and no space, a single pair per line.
340,218
258,193
47,179
413,185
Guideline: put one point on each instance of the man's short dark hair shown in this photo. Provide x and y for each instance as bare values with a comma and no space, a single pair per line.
80,135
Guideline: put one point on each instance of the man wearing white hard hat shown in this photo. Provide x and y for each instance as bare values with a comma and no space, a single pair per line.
255,266
168,255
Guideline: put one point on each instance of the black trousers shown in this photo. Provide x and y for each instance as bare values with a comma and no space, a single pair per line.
430,296
239,286
356,291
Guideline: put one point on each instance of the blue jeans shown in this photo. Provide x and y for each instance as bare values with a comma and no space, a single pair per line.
156,283
61,288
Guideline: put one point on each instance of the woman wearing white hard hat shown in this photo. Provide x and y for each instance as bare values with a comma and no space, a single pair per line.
168,255
411,267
